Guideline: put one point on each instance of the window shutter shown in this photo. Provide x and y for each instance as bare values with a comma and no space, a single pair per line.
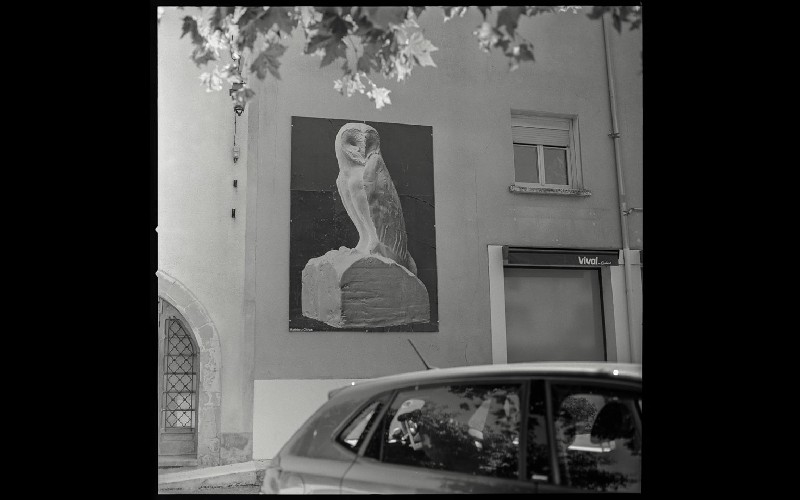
548,131
544,136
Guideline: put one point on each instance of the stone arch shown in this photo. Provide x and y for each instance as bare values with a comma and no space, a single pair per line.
207,338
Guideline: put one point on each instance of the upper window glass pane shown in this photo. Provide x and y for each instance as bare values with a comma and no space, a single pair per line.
473,429
598,438
526,164
555,166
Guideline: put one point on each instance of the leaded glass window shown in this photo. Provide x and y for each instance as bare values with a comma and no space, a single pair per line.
180,379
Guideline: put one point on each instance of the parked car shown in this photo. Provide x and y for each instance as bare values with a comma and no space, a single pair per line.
514,428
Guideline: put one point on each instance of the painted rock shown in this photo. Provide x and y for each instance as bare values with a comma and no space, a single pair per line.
348,289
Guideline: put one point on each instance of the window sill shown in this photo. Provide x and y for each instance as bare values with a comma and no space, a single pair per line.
548,190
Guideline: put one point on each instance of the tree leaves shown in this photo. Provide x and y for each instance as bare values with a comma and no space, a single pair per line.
242,95
277,16
380,96
238,12
267,60
520,53
328,33
619,15
190,26
420,49
525,53
533,11
202,56
369,59
509,18
418,11
317,42
504,35
204,51
333,50
212,81
383,39
451,12
597,11
487,36
253,21
219,14
383,17
248,31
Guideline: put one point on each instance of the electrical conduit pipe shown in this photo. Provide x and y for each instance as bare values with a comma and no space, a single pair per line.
634,349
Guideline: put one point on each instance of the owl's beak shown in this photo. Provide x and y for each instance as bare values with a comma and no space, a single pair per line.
356,154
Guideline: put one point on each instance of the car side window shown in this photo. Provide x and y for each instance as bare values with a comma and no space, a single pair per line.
598,437
353,435
467,428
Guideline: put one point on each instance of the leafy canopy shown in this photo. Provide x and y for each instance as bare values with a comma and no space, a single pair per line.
369,40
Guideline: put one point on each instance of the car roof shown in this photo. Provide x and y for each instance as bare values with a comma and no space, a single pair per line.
606,370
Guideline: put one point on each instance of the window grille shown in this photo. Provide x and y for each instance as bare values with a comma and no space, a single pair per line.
180,379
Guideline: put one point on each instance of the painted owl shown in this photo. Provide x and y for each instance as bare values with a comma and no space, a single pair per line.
369,195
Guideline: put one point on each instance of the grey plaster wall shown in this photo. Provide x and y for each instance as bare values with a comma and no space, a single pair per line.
467,100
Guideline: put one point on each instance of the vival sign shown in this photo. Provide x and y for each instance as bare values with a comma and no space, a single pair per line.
520,256
593,261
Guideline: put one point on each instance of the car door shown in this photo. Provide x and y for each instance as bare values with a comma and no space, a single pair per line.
594,436
461,437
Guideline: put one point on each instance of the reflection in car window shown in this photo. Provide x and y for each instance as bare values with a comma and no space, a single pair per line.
472,429
598,438
353,435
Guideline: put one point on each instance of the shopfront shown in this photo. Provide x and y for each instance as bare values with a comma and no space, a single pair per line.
556,304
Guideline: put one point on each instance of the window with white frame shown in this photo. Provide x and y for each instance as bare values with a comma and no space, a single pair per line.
546,154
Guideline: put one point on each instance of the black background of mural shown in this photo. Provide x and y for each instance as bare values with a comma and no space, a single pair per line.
319,222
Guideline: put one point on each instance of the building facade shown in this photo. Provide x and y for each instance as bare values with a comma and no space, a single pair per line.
531,255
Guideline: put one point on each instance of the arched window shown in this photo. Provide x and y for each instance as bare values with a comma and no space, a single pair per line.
178,386
180,378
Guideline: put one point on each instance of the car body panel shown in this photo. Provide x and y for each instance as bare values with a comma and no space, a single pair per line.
313,475
370,476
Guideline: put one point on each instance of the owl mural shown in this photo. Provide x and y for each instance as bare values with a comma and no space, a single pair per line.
369,195
373,285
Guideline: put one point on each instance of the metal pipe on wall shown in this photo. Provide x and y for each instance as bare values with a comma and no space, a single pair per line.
623,202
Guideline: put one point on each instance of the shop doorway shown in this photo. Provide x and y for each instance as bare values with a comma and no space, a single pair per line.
177,384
